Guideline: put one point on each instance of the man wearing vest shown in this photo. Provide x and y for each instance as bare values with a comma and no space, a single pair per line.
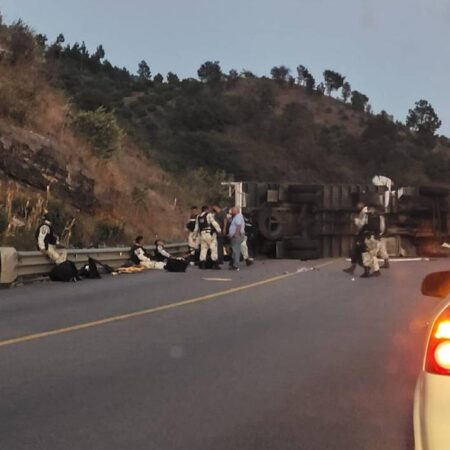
193,237
208,229
373,230
47,242
359,245
140,257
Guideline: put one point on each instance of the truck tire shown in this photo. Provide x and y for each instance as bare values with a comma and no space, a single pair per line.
270,224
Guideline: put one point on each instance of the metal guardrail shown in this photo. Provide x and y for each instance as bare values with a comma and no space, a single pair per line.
16,265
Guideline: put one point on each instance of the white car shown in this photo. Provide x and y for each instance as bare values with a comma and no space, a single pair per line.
432,395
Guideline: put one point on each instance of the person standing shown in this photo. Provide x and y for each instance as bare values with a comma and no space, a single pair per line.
236,235
373,230
359,244
47,241
220,214
248,241
193,237
382,250
208,228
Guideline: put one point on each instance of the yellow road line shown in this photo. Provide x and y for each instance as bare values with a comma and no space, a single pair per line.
144,312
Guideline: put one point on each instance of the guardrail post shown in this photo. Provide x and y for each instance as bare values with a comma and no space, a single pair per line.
8,266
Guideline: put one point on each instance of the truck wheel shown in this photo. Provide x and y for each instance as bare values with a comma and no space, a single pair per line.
270,224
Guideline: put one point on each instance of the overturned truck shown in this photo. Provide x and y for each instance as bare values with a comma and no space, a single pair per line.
315,221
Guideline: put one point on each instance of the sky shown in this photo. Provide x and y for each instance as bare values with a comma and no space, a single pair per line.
394,51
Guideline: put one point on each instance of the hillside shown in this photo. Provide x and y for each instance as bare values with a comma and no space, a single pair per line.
46,164
114,147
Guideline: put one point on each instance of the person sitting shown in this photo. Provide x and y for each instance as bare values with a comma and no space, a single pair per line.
161,254
47,242
140,257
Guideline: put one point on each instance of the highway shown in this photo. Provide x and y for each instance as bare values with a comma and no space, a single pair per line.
275,356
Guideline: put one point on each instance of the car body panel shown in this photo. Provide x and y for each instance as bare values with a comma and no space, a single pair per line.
432,403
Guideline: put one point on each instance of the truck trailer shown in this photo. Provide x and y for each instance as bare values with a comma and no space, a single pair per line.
310,221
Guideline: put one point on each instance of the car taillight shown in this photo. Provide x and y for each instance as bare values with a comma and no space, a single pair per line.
438,351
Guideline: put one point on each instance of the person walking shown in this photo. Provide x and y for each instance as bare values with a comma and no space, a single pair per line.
236,235
359,246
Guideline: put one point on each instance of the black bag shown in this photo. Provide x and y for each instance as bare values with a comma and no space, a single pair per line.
89,270
176,265
66,271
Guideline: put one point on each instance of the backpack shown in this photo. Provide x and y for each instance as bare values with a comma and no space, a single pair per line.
66,271
176,265
91,269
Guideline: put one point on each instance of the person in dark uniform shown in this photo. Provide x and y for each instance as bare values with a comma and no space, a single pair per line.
140,256
161,254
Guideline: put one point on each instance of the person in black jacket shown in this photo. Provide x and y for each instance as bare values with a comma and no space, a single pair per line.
161,254
140,256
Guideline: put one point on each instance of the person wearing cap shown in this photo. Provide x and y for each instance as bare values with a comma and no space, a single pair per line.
47,241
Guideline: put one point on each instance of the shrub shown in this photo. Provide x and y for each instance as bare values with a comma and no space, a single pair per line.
22,43
58,215
17,98
109,233
207,185
101,129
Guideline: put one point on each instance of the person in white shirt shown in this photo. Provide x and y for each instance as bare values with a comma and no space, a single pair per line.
237,236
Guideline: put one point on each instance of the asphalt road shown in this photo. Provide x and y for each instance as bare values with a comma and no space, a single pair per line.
310,361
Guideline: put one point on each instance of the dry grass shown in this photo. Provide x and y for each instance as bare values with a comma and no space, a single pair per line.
129,188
